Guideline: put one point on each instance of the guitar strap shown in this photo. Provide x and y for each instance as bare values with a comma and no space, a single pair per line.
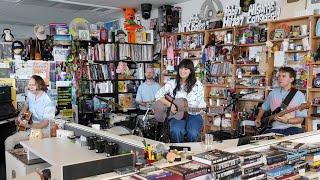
288,99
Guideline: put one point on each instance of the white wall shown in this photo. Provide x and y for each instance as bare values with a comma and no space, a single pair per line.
18,31
287,10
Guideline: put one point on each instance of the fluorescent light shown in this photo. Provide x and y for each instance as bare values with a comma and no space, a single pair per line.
84,4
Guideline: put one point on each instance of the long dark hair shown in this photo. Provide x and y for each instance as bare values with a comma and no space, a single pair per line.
41,85
191,80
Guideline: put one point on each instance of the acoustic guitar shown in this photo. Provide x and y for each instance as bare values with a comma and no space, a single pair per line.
26,116
160,110
266,122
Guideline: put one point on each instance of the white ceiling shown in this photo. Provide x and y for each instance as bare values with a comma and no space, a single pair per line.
31,12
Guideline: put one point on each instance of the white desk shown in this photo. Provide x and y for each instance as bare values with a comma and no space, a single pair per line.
59,152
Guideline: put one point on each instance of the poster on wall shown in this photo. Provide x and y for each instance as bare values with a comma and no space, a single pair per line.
23,70
64,98
256,13
41,68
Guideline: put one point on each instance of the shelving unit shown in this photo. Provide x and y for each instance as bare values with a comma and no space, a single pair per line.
105,80
184,46
227,83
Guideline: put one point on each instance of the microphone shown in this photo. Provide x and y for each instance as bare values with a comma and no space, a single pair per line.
109,102
145,115
238,95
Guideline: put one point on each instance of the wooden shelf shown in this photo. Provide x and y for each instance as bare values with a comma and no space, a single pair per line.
296,51
316,37
293,38
257,100
253,87
221,29
254,75
220,75
254,44
193,32
218,86
225,44
315,64
253,64
314,89
290,19
316,105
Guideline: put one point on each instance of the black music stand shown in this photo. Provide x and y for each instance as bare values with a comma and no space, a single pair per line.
235,101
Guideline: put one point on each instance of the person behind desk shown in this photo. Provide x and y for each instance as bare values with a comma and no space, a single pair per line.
147,90
290,123
184,86
41,107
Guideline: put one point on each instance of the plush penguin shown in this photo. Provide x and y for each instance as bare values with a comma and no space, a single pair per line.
7,36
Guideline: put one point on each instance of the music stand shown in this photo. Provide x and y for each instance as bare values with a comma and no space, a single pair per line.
235,100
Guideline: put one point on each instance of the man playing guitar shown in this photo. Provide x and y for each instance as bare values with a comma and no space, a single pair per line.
184,86
39,105
290,123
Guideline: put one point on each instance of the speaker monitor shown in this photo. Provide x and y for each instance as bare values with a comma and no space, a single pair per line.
146,10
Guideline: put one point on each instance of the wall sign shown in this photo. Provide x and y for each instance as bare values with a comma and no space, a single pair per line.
194,24
257,13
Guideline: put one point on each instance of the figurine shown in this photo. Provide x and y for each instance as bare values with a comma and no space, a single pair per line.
7,36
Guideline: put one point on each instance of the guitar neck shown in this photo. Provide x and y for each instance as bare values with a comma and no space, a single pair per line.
193,109
284,112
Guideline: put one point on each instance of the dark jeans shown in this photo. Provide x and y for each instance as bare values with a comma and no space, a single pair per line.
191,127
286,132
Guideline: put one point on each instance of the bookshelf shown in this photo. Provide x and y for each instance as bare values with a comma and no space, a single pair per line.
314,68
228,71
112,71
178,46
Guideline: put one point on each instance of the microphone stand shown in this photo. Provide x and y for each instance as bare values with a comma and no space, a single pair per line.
235,101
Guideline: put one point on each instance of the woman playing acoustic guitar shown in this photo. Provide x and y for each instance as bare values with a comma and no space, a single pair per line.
184,86
39,105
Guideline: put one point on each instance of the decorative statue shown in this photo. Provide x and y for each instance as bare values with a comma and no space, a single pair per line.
7,36
130,25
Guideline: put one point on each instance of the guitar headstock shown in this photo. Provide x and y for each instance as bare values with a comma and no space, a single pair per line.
304,106
215,110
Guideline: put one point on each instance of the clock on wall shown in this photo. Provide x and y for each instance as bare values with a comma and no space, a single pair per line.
316,81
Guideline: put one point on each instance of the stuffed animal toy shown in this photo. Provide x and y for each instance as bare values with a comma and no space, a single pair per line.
7,36
130,25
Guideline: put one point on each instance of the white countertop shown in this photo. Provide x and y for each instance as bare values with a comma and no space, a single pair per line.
58,152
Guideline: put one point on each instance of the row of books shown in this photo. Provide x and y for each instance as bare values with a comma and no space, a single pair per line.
135,52
99,52
285,160
219,69
188,42
99,71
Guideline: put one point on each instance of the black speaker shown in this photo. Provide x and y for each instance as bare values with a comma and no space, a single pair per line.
175,17
146,10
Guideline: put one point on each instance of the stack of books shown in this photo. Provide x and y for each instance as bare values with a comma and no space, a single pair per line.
224,165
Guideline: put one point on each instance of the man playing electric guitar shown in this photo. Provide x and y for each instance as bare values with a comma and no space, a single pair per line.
290,123
184,86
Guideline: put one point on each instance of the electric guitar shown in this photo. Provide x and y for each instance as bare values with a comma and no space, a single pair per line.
266,122
26,116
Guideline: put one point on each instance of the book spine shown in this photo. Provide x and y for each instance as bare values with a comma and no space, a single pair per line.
276,158
197,173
